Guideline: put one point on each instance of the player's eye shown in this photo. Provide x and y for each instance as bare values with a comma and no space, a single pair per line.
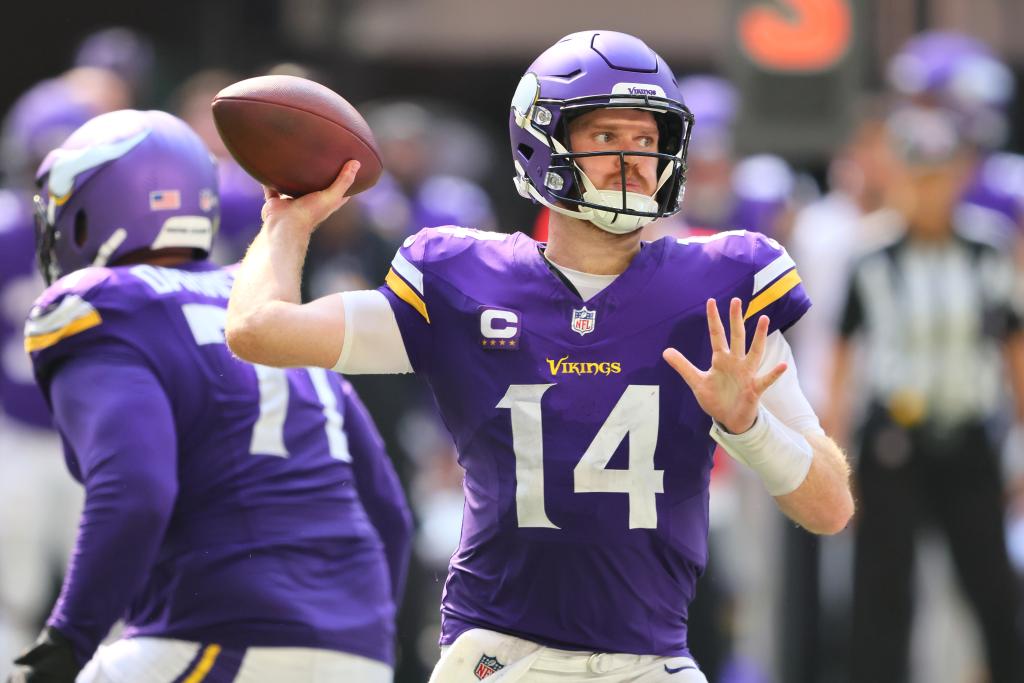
603,138
646,141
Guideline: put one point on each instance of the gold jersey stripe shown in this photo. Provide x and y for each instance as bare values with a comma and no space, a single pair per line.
773,293
80,324
406,293
206,663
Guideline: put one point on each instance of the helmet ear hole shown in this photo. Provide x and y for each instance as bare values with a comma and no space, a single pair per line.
81,233
525,150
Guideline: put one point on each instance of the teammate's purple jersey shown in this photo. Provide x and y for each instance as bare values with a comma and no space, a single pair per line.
266,541
20,284
587,457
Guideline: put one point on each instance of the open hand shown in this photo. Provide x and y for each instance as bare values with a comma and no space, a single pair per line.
730,390
307,212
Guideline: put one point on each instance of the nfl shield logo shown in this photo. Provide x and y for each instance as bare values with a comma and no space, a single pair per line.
583,320
487,666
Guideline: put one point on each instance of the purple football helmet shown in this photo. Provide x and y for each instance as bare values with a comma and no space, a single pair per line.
125,181
582,72
39,120
959,73
714,102
953,67
122,50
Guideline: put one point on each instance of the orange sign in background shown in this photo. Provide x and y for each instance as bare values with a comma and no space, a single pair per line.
796,35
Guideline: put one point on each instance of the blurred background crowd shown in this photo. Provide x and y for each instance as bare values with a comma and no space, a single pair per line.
839,128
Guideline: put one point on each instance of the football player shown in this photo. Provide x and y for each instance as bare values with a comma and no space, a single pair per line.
243,520
963,77
557,369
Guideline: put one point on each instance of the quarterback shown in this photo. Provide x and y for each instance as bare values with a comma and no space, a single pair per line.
584,381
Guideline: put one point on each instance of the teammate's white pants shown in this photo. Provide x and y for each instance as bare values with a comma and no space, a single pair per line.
162,660
477,653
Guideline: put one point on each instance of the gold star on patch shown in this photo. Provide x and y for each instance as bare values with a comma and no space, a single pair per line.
511,342
502,342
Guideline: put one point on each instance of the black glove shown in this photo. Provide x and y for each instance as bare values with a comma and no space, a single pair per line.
50,660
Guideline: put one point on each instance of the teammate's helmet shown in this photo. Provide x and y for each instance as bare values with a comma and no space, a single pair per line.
958,72
40,119
960,69
714,102
126,52
125,181
582,72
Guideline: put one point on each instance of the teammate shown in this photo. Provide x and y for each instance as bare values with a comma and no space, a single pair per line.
555,368
243,521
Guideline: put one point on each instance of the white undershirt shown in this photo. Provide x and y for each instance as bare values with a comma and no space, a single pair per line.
373,345
587,284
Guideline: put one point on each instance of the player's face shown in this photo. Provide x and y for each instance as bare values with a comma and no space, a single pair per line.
612,130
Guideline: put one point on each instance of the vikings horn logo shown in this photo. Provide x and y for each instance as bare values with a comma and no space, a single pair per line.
487,666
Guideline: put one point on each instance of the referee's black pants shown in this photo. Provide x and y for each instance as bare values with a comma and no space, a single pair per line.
950,478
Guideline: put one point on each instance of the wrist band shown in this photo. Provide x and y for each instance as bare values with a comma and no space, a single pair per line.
779,456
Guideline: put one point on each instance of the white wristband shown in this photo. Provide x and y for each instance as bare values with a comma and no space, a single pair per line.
778,455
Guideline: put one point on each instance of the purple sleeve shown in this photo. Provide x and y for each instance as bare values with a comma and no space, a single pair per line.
380,491
407,288
116,418
776,289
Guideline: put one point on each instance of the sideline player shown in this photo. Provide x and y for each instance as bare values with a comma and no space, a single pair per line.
586,456
244,521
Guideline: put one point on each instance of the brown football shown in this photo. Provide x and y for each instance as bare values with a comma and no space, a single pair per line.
294,134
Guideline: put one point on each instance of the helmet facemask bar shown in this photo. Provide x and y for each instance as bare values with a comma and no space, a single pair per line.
46,241
667,164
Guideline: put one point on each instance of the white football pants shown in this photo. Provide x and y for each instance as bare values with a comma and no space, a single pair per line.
163,660
479,654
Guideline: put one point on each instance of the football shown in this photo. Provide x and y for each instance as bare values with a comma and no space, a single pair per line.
294,135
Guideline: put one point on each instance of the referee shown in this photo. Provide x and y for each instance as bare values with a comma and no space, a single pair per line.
936,311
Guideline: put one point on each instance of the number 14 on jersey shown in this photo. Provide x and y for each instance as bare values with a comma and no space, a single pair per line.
635,414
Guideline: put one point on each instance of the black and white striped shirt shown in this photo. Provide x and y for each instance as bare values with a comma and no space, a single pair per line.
934,315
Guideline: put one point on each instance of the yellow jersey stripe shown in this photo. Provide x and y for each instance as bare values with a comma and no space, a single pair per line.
80,324
773,293
206,663
406,293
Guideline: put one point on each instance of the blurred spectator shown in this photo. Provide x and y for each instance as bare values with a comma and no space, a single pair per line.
830,233
827,237
48,112
723,190
123,51
417,191
953,71
936,308
961,75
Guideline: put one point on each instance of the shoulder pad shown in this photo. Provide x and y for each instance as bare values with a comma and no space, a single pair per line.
427,249
65,309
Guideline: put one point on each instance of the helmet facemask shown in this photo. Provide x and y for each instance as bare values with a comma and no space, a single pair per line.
46,242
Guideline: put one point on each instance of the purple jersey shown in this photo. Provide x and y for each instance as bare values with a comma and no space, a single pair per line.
587,457
20,284
263,539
